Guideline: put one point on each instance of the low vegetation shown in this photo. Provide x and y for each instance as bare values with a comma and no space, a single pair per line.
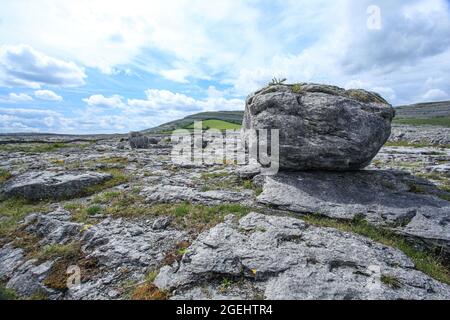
7,293
148,291
14,210
4,175
53,251
216,124
118,177
250,185
127,204
68,255
427,262
391,281
403,143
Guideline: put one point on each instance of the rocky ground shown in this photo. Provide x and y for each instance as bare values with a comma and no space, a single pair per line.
139,227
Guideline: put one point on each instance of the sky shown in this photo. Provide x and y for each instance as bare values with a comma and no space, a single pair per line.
94,66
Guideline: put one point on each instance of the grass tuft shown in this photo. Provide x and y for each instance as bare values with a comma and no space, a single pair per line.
421,144
4,175
14,210
148,291
391,281
53,251
7,293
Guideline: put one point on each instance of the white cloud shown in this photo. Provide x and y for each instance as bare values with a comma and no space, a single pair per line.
47,95
33,120
164,100
98,100
23,66
19,97
177,75
386,92
237,42
435,95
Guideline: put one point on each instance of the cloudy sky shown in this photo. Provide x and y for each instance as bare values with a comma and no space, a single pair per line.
91,66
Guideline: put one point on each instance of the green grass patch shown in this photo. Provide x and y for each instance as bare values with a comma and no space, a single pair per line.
118,177
403,143
216,124
13,210
7,293
53,251
436,121
426,262
93,210
132,205
391,281
248,184
4,175
113,160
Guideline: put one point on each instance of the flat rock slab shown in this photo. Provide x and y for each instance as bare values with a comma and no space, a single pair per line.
384,198
52,185
177,194
284,258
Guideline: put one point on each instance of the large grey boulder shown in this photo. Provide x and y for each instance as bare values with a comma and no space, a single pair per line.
284,258
391,199
321,127
52,185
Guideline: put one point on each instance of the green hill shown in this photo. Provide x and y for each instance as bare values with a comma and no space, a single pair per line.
220,120
431,113
217,124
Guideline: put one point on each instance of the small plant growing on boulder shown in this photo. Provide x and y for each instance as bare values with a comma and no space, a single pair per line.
276,81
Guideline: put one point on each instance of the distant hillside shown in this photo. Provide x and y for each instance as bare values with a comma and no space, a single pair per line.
424,110
431,113
228,120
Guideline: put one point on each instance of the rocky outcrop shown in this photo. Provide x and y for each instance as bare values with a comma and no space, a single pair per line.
385,198
321,127
123,249
433,135
52,185
284,258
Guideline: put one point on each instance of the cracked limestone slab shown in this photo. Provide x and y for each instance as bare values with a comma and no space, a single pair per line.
384,198
177,194
285,258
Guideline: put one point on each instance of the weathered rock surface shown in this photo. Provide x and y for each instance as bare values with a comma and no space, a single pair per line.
321,127
122,249
117,254
384,198
176,194
284,258
52,185
140,141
